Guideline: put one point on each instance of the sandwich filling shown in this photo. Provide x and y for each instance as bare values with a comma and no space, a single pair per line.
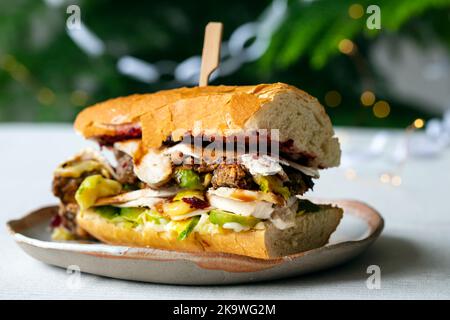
181,188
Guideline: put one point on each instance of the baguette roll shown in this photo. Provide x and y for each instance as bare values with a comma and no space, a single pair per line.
169,192
311,230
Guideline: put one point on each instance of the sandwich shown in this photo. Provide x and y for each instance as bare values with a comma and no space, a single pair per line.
219,169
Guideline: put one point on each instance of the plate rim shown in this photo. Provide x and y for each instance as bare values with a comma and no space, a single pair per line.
205,260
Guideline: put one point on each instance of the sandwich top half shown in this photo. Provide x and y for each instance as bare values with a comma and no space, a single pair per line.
305,130
206,159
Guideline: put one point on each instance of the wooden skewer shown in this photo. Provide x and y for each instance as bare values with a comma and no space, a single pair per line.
211,51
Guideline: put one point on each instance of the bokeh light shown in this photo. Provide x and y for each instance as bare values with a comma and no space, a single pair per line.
419,123
17,70
356,11
367,98
79,98
346,46
8,62
381,109
385,178
46,96
396,181
333,98
350,174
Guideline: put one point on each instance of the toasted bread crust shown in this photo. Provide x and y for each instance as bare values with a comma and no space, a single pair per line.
222,110
311,231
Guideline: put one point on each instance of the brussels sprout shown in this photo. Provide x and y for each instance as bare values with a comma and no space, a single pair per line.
131,214
62,234
221,217
189,194
77,169
177,208
108,212
95,187
207,180
189,228
154,216
128,216
189,179
272,184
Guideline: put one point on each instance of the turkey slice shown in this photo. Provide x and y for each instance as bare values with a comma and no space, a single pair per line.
247,195
137,195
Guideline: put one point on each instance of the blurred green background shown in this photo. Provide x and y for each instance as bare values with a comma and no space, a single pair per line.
322,46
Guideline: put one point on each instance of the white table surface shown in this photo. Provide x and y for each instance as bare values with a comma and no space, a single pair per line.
413,252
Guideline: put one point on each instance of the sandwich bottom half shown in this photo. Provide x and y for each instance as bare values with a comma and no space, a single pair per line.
311,230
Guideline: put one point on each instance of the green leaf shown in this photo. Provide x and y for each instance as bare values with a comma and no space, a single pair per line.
189,228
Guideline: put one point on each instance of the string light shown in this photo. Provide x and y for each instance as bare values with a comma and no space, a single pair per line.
20,73
333,98
419,123
79,98
17,70
350,174
46,96
246,44
385,178
8,62
396,181
356,11
367,98
381,109
346,46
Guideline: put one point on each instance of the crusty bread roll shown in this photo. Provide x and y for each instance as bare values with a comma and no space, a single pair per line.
301,120
311,230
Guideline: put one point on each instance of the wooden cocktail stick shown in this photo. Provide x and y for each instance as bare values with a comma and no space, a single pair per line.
211,51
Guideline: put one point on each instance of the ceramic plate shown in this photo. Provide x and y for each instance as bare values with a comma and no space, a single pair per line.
359,228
